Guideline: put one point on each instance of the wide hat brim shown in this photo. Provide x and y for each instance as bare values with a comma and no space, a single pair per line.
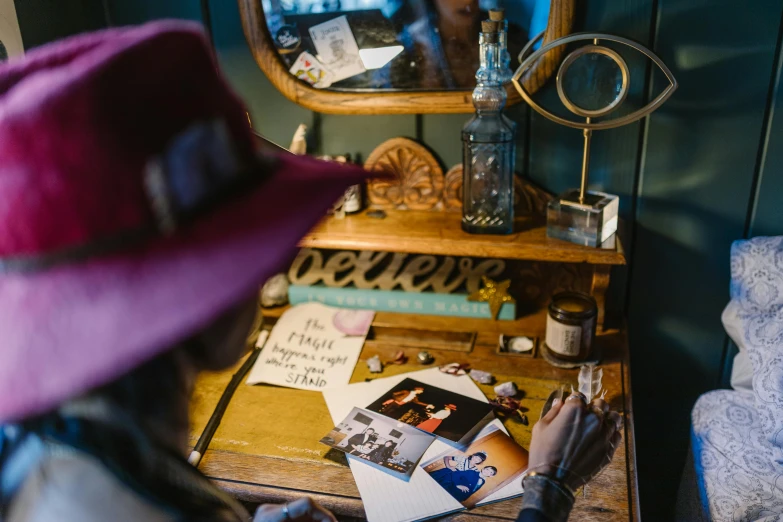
77,326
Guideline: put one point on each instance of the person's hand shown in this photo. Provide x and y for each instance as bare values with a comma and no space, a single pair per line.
574,441
464,489
301,510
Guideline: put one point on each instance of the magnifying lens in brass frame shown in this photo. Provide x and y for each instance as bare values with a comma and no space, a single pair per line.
592,82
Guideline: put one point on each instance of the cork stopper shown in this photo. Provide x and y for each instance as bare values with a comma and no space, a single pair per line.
497,15
489,26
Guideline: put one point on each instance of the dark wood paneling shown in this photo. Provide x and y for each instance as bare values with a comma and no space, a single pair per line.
694,189
767,210
443,133
361,134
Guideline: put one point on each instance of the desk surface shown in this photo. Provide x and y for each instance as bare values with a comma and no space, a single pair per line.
266,448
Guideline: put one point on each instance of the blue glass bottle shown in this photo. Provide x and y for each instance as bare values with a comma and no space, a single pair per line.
488,148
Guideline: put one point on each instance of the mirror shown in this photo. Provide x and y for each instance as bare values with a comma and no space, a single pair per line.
391,56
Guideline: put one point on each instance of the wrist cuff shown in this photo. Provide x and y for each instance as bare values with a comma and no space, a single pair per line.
547,496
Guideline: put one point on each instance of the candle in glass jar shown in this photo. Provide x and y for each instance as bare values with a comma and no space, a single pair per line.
570,326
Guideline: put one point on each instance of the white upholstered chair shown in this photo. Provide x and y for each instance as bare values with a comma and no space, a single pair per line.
735,467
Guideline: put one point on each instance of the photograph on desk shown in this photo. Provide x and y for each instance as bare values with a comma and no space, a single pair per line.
491,462
390,446
448,415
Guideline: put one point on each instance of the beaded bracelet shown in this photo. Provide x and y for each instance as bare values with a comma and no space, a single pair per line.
558,484
531,472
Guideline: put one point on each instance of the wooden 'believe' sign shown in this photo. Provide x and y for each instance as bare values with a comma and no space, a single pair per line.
387,271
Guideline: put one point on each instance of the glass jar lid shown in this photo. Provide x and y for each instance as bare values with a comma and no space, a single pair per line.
575,305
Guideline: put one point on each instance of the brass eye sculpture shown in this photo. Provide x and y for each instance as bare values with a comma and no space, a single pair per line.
587,126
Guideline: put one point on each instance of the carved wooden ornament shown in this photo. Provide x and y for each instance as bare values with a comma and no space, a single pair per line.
416,182
452,190
416,179
529,200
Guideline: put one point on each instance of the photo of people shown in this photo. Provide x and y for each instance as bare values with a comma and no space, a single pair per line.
443,413
490,463
383,443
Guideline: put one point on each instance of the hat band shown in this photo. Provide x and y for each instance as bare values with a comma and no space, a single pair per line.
198,172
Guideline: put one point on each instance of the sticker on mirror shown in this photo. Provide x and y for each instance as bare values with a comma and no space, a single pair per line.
287,38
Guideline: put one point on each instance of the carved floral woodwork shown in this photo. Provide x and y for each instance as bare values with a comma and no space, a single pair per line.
452,189
529,200
415,181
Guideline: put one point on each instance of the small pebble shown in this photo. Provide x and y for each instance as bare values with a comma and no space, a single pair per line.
376,214
455,369
425,357
481,377
374,364
399,358
275,291
507,389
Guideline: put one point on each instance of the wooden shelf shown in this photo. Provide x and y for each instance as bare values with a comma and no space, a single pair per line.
439,233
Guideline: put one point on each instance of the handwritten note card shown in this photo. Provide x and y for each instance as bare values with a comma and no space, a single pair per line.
312,347
337,48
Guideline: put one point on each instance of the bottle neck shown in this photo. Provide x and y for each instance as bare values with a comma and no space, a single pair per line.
503,36
489,56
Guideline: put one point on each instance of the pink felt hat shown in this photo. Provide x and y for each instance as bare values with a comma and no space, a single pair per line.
133,207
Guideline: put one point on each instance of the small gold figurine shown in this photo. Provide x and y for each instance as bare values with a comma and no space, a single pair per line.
493,293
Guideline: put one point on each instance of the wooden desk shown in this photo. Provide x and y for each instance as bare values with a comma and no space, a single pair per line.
267,449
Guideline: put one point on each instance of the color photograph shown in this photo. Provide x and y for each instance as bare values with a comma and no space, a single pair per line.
443,413
383,443
487,465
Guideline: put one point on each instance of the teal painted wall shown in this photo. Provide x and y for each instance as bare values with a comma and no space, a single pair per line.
704,170
694,194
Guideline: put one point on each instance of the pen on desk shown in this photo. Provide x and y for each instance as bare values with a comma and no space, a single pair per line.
214,421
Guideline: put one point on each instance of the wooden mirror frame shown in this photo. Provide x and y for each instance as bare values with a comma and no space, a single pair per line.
561,18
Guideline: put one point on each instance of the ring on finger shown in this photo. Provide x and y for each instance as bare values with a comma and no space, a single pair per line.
577,396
